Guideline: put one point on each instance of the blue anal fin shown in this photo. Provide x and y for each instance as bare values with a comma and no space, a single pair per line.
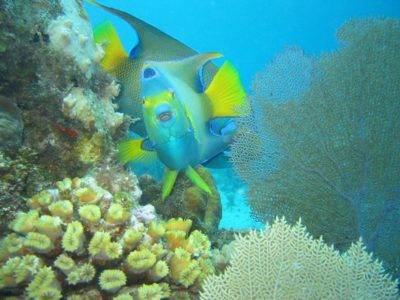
222,126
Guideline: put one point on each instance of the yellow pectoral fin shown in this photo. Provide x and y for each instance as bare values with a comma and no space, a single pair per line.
105,34
197,180
168,181
131,150
226,93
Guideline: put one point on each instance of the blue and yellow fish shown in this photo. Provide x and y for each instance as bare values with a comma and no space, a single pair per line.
153,45
187,121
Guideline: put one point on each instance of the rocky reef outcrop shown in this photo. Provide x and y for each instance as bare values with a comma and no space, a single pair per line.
57,116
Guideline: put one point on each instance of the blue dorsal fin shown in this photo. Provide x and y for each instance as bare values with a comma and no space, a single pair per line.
222,126
135,52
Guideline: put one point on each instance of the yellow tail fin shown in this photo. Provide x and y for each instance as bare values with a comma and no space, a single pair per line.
105,34
131,150
226,92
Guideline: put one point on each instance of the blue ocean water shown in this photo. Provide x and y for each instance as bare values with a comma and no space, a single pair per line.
249,33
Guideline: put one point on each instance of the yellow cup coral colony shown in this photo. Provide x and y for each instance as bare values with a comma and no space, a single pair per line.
79,238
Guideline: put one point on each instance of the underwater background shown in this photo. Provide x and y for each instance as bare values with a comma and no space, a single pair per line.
250,34
304,204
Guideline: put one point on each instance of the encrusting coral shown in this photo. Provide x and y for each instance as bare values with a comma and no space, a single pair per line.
78,239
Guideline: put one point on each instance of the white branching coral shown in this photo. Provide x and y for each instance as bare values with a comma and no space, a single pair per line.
285,262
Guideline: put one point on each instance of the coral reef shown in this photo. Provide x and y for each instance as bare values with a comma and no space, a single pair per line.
55,100
285,262
64,105
11,125
337,136
186,201
80,239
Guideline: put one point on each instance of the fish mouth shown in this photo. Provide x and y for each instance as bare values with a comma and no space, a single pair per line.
164,112
165,116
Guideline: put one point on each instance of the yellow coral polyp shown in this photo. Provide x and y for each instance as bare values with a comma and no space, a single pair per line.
7,272
112,280
140,261
87,195
131,239
81,274
113,250
159,251
62,209
184,270
86,272
49,293
64,263
207,268
144,252
159,270
76,183
179,224
73,238
73,277
156,231
90,213
198,244
99,242
40,200
11,245
38,242
43,279
188,275
65,185
117,214
50,226
25,222
28,266
175,239
153,291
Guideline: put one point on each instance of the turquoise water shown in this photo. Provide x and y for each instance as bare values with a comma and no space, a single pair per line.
250,34
314,162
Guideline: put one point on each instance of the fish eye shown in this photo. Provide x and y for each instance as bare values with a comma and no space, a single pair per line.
149,73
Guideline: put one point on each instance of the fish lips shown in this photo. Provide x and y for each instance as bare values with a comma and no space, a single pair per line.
164,113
